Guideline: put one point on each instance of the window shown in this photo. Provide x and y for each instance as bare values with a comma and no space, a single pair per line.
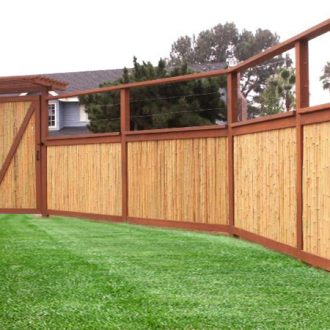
51,115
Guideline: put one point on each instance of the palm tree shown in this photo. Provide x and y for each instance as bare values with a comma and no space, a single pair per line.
325,78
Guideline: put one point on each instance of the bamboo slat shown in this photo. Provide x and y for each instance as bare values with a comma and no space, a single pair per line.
316,189
11,118
265,184
85,178
179,180
18,188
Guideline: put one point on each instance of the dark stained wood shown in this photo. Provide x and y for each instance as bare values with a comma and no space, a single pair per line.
314,108
75,140
89,216
179,224
264,119
302,100
37,113
313,117
264,126
81,136
232,97
4,99
18,211
171,134
124,127
43,151
179,129
290,250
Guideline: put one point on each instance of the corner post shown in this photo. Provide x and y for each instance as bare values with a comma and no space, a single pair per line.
124,127
302,100
232,93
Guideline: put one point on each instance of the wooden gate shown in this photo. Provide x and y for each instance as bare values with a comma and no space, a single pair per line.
19,155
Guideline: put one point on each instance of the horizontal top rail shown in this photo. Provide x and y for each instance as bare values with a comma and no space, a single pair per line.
176,129
81,136
320,107
309,34
264,118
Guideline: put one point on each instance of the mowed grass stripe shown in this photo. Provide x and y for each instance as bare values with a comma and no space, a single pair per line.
62,273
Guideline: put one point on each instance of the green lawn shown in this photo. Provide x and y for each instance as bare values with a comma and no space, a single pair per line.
62,273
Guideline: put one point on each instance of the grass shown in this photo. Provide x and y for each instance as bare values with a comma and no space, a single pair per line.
62,273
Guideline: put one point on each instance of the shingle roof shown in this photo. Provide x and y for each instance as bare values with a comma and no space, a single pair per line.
92,79
86,79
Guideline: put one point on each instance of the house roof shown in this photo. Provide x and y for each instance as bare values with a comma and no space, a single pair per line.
36,83
83,80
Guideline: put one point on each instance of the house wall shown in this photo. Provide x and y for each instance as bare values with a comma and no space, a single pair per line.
60,116
71,116
70,112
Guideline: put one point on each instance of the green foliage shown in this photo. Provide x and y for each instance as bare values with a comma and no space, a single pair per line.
279,95
184,104
61,273
325,78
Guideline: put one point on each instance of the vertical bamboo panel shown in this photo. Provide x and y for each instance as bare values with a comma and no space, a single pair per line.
11,118
18,188
265,184
85,178
316,189
179,180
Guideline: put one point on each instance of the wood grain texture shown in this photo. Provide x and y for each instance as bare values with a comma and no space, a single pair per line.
179,180
265,184
18,188
316,189
11,118
85,178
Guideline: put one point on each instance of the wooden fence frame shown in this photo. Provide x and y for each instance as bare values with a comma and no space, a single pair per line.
304,115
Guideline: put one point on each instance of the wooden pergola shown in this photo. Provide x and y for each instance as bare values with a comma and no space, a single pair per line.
29,84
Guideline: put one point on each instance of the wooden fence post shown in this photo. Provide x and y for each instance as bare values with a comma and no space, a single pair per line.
302,100
232,88
124,127
43,154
